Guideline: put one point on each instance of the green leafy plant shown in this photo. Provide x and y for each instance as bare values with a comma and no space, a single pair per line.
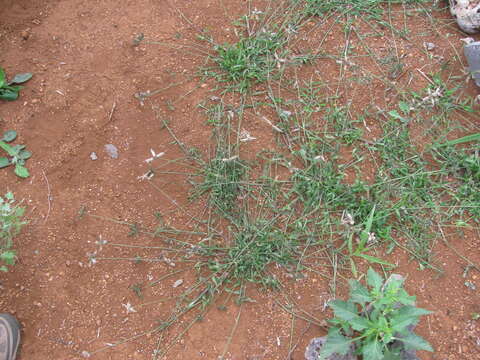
362,246
17,154
9,89
10,225
252,59
377,321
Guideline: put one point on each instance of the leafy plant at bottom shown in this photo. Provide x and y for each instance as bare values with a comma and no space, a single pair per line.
10,225
17,155
8,90
377,320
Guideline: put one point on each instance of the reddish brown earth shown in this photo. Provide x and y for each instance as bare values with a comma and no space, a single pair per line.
81,98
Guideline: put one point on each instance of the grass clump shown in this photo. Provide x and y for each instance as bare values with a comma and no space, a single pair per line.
10,225
222,179
253,59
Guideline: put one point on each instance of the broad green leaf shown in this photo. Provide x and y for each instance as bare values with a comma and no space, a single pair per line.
9,149
344,310
375,260
9,95
354,268
392,355
404,106
9,136
21,171
412,311
8,257
4,162
359,293
413,341
336,344
3,268
405,316
374,279
372,351
24,154
2,78
359,323
20,78
9,196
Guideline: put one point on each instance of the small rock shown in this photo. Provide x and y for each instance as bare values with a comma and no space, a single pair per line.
37,304
112,151
429,46
93,156
177,283
470,285
25,34
315,346
467,40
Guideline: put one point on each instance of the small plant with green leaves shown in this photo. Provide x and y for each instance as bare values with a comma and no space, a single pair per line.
9,89
376,322
366,238
10,225
17,155
252,59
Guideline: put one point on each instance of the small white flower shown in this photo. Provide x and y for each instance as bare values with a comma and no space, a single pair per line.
347,219
154,156
129,308
245,136
372,239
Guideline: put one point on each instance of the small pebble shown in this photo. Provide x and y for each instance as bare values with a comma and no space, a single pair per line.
177,283
429,46
112,151
25,34
93,156
470,285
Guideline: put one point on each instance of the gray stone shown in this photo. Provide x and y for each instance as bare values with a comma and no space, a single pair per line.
315,346
93,156
467,14
472,53
112,151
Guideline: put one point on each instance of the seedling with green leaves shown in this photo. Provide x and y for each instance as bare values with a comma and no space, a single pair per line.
378,320
365,238
17,154
10,225
9,89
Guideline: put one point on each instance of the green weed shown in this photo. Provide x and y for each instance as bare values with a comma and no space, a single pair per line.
376,322
10,225
9,90
17,154
253,59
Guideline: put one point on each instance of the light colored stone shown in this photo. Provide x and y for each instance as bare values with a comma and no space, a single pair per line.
467,13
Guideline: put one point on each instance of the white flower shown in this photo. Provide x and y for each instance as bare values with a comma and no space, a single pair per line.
129,308
245,136
347,219
154,156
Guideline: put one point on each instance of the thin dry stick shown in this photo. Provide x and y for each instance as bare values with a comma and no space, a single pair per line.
292,349
49,196
229,340
444,238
